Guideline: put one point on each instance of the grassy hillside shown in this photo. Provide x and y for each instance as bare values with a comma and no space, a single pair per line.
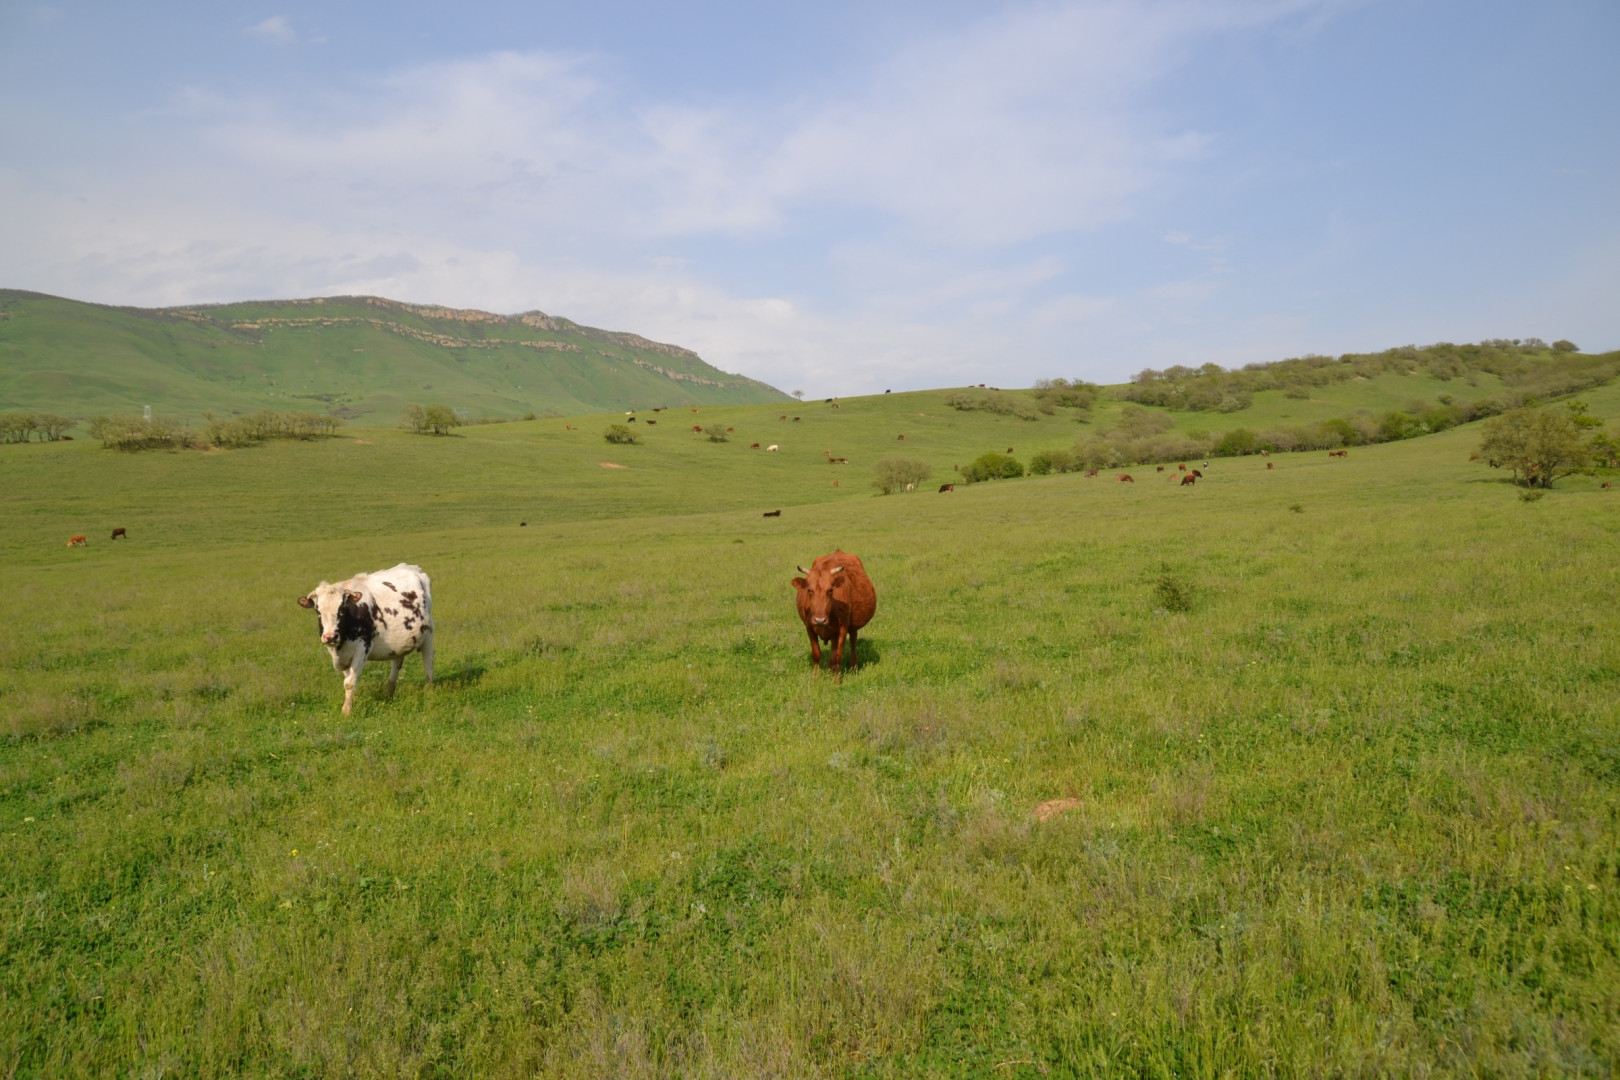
1353,811
362,357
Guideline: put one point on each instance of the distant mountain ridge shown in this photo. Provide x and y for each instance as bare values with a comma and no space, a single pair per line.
358,356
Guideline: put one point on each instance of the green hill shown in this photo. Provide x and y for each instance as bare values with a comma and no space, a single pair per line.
356,356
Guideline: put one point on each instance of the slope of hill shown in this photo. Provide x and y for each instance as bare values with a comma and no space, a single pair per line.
358,356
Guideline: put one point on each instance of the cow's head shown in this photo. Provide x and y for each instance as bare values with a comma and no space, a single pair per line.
821,586
329,602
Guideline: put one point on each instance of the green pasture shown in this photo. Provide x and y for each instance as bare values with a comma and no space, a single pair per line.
1353,807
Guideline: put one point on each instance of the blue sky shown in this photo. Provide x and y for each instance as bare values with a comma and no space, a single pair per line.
841,198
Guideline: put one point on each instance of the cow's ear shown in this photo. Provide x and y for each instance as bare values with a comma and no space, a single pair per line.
306,601
800,583
352,595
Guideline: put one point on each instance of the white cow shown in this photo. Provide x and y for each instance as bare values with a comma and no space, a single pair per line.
384,615
771,447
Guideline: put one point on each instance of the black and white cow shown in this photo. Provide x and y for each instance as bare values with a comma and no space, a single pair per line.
385,615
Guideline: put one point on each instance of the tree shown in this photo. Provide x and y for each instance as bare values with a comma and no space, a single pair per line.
620,434
716,432
799,394
430,419
1565,345
993,466
900,474
1539,445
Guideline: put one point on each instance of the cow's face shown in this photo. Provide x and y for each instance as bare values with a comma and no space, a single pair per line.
328,603
819,590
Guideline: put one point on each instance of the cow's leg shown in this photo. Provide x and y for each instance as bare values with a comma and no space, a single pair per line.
350,678
427,655
393,673
854,648
815,648
838,654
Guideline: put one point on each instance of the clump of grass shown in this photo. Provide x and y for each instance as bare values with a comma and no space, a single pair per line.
1172,591
1531,495
1295,508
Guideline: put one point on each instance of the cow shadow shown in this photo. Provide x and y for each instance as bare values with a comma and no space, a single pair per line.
468,673
867,652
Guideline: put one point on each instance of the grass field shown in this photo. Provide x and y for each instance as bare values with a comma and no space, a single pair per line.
1355,811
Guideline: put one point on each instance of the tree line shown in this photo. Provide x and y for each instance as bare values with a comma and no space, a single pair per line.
18,427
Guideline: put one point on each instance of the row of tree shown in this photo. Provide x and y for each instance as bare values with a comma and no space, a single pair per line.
17,427
126,431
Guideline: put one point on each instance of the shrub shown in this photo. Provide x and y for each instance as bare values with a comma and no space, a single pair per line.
1235,443
897,474
123,431
430,419
16,427
993,466
1053,461
716,432
619,433
997,402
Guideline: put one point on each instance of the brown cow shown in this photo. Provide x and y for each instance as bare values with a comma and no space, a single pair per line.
835,599
1195,473
952,487
753,446
900,437
1125,478
1161,468
1182,467
78,541
1091,472
697,429
120,534
651,422
771,513
1605,483
1009,449
1271,464
1338,453
1188,478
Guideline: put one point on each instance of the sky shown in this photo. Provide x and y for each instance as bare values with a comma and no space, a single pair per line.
840,197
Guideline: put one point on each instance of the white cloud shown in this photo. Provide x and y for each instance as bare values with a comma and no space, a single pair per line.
276,30
536,179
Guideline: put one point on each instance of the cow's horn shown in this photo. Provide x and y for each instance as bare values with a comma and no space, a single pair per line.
837,570
802,570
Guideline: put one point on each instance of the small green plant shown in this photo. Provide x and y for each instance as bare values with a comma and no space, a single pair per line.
1171,591
620,434
1531,494
1295,508
716,432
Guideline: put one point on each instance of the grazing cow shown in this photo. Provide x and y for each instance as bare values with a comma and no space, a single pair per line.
771,513
902,438
836,405
731,429
771,447
981,386
120,534
694,410
697,429
1125,478
753,446
829,401
1271,464
838,461
386,615
650,423
888,391
795,419
1182,467
1161,468
1189,478
1206,465
631,419
1091,472
782,417
1605,483
78,541
835,600
1196,474
1009,449
1338,453
947,487
1265,453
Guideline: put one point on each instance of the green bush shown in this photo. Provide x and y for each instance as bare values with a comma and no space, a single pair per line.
430,419
716,432
1171,591
1235,443
619,433
992,466
124,431
1053,461
900,474
995,402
